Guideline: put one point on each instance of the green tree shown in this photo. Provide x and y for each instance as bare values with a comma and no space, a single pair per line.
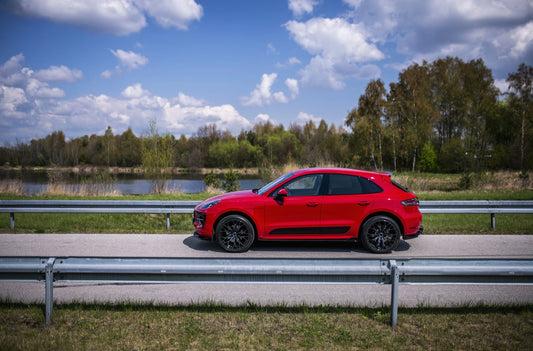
521,95
157,156
366,122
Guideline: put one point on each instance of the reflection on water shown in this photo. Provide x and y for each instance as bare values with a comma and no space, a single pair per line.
36,182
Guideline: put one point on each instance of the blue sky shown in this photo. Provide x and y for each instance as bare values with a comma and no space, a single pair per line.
80,66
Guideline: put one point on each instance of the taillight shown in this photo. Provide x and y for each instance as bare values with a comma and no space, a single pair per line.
411,202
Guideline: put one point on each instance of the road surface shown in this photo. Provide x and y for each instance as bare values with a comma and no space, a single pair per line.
152,245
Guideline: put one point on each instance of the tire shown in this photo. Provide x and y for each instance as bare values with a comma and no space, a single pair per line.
235,233
380,234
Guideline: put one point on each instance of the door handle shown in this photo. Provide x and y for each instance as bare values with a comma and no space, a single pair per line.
364,203
312,204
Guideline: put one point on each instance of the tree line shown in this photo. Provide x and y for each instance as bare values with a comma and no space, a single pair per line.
443,116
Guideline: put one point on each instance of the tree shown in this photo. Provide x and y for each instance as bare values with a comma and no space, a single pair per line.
521,95
412,112
157,156
366,122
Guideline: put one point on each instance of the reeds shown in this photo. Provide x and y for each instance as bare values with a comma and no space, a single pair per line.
13,187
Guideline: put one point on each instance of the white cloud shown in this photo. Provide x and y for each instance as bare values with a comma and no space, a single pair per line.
127,59
58,74
187,100
303,118
130,59
338,46
334,38
292,84
32,109
261,118
263,95
135,91
499,31
302,7
351,44
119,17
172,13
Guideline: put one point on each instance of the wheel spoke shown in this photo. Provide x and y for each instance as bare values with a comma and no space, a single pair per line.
381,235
234,234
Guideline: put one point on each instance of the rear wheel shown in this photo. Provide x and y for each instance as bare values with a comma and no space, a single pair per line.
235,233
380,234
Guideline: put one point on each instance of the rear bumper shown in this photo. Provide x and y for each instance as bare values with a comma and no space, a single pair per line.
415,235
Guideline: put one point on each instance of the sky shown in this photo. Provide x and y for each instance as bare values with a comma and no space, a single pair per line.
80,66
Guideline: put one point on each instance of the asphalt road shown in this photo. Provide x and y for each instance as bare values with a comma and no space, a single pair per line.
143,245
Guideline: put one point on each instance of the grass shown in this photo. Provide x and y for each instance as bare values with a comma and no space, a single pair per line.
252,327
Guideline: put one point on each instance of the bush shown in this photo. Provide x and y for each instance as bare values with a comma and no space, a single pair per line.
225,181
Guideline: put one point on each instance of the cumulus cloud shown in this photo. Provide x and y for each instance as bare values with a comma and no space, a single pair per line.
337,46
31,108
303,118
127,59
499,31
119,17
172,13
187,100
353,43
263,95
135,91
58,74
302,7
130,59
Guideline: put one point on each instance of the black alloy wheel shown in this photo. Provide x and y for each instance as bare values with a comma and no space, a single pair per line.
380,234
235,233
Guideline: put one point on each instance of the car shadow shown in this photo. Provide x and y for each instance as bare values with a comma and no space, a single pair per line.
290,246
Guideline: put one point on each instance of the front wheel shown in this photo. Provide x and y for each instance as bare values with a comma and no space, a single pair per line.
380,234
235,233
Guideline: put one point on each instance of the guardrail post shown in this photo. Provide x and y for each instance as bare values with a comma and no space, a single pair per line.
168,221
493,221
12,220
49,290
395,281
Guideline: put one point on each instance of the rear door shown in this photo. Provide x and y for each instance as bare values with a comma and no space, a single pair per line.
347,201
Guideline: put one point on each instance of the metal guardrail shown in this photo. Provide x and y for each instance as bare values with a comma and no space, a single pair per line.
180,207
95,206
304,271
477,206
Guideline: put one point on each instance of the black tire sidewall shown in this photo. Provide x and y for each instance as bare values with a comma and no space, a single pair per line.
372,221
244,221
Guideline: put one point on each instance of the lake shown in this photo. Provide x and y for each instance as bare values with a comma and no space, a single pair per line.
127,184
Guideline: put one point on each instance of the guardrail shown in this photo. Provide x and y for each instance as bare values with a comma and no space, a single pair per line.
95,206
180,207
303,271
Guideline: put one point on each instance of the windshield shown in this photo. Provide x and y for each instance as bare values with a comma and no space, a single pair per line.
274,183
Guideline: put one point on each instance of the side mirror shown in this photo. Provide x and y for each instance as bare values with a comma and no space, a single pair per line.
281,193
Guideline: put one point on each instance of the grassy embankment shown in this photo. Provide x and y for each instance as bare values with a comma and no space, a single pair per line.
490,186
215,327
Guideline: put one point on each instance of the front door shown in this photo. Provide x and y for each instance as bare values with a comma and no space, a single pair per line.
296,215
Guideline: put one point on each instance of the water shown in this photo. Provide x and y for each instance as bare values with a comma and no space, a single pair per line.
35,182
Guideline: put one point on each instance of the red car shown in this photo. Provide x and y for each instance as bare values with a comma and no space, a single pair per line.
313,204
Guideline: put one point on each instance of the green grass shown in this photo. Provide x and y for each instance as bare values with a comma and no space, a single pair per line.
251,327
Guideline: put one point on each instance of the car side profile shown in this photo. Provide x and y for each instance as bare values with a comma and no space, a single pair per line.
313,204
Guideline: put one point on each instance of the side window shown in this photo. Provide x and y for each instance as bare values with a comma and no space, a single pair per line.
307,185
344,184
369,187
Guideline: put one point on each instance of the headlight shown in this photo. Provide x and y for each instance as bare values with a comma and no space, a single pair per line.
209,204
